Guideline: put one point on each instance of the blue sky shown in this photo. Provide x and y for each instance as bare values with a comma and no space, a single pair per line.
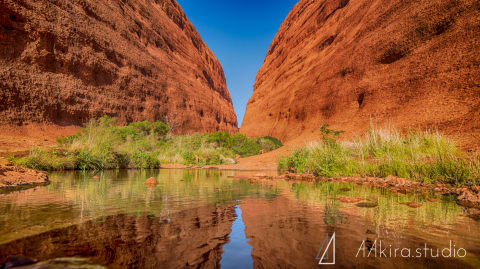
239,33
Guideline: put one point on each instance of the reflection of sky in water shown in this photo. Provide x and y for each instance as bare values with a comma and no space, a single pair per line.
237,253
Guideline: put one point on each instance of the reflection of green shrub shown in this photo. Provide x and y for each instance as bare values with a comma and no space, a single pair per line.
103,145
422,156
389,211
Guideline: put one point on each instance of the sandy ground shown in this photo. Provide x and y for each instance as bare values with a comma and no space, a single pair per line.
268,161
21,139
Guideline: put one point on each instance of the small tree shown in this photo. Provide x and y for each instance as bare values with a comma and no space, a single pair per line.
329,136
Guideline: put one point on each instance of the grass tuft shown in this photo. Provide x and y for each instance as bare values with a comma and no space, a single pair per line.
104,145
424,156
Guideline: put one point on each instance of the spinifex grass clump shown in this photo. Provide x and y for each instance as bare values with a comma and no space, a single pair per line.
46,160
423,156
104,145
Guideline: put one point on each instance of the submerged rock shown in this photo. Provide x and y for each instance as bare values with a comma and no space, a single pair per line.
367,204
411,204
151,181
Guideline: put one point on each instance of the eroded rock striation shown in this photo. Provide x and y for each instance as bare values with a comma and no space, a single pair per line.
409,64
64,62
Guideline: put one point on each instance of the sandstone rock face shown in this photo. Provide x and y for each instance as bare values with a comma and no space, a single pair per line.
411,64
64,62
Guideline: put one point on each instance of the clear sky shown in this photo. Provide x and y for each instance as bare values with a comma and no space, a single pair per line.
239,33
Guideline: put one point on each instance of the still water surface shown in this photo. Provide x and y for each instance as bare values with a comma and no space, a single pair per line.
212,219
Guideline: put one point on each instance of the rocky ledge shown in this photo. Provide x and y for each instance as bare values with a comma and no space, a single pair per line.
13,177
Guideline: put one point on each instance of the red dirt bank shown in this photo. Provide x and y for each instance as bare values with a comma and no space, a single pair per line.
19,140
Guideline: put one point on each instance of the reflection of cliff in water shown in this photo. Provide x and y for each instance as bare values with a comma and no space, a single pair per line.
188,239
287,234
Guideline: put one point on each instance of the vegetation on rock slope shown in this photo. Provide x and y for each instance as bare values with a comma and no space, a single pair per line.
423,156
103,145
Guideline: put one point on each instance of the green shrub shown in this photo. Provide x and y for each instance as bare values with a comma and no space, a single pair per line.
331,159
143,159
46,160
120,160
142,128
277,143
297,161
242,145
423,156
87,161
125,132
188,157
219,138
160,129
62,140
329,135
103,145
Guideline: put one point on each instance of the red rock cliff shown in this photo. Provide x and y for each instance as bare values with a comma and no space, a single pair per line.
411,64
65,62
